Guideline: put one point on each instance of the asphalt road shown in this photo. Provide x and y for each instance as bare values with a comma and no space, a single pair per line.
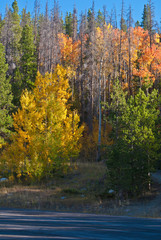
26,224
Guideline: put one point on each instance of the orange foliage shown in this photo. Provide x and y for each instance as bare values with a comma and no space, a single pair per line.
70,50
113,45
90,141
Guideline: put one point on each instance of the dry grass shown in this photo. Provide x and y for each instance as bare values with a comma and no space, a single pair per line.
81,190
76,191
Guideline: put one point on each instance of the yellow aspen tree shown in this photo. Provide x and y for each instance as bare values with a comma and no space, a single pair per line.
47,133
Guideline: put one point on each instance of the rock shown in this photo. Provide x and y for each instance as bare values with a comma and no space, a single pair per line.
111,191
63,198
3,179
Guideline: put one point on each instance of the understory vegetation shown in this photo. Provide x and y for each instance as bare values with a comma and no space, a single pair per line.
73,94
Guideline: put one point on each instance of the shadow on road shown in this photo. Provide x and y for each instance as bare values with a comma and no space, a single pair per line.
22,224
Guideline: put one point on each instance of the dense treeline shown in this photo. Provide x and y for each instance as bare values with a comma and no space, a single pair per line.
114,77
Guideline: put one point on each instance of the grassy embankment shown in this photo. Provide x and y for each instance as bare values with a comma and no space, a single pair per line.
82,190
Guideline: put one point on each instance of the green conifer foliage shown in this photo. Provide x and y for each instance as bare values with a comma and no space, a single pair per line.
69,24
123,25
5,99
146,17
28,59
25,73
100,19
116,108
132,156
10,38
11,32
16,33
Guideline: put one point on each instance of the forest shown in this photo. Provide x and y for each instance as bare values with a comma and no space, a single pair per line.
81,88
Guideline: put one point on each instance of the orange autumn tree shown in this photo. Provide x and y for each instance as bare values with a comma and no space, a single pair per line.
70,51
147,67
47,133
70,58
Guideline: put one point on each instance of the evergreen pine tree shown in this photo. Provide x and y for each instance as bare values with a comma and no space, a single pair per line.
144,22
137,24
69,24
132,156
11,35
25,73
116,108
28,60
16,33
100,19
5,99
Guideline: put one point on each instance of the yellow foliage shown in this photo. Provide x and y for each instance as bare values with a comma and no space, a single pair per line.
157,38
90,140
46,131
109,26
